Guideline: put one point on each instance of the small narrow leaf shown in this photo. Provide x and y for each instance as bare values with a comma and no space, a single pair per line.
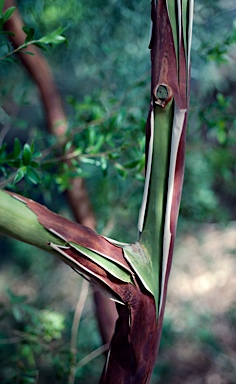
121,170
19,175
29,53
8,33
33,175
26,155
8,13
104,165
17,147
32,146
40,45
29,34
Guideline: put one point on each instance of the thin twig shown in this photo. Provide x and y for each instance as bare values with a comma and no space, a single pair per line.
74,329
97,352
16,50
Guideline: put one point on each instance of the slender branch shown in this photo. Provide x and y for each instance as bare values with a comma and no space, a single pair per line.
18,49
75,328
91,356
40,71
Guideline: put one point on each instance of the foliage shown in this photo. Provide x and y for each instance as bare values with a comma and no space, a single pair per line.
107,55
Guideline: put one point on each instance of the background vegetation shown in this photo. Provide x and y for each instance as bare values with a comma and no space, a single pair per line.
103,75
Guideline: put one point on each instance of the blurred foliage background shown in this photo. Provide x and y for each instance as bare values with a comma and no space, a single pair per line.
103,75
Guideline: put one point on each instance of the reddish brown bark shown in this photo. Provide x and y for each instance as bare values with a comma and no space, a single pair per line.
134,344
40,72
133,347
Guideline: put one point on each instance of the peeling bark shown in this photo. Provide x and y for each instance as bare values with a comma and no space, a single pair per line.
134,345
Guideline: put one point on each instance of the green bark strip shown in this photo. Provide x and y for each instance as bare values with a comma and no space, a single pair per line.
153,230
170,44
106,264
95,278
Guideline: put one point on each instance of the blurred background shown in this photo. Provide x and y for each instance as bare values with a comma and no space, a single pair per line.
103,73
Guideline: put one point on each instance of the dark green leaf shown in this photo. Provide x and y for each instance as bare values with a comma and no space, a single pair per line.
132,164
11,60
14,163
33,175
34,164
121,170
26,155
41,46
29,53
19,175
17,147
104,165
8,33
29,34
8,13
32,147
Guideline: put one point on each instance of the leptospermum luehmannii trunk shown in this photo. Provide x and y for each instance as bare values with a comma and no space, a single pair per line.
134,275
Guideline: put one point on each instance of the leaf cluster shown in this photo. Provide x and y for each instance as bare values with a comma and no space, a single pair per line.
53,38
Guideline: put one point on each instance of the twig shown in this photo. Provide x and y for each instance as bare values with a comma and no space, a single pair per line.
74,329
97,352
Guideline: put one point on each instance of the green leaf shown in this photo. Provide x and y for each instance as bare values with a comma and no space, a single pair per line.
8,13
121,170
8,33
17,313
19,175
68,146
132,164
32,146
104,165
54,37
34,164
11,60
41,46
29,34
33,175
28,53
26,155
17,148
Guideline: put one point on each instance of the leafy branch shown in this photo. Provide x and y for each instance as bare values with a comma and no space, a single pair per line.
55,37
